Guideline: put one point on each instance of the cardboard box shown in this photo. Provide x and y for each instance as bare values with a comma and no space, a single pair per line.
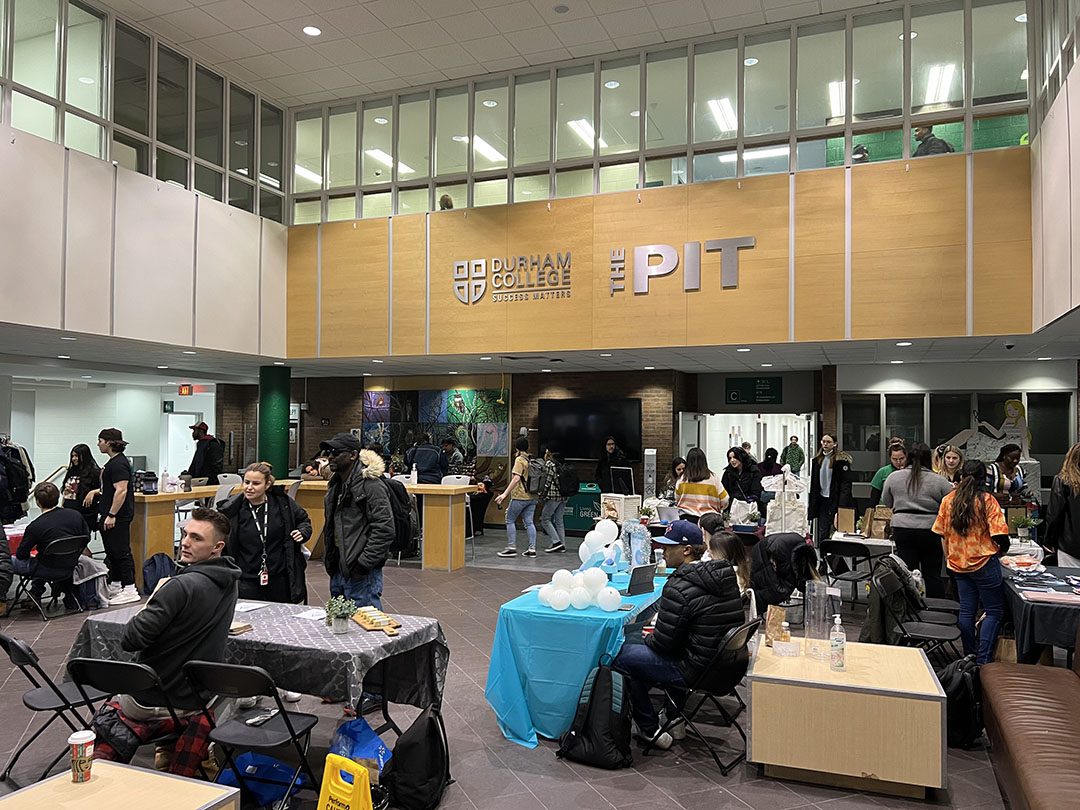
877,522
619,507
845,520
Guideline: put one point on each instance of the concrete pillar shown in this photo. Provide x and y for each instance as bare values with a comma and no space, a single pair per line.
274,418
5,404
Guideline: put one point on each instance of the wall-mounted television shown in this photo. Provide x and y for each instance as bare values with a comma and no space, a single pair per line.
577,428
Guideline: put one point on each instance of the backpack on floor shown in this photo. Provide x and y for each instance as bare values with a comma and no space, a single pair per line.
569,482
536,477
401,505
600,733
419,768
963,701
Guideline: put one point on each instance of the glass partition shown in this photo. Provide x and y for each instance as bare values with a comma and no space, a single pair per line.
532,119
491,141
131,79
377,146
620,97
210,118
35,57
665,100
877,62
575,136
765,84
820,90
937,56
172,99
716,91
413,135
307,136
999,51
451,131
342,148
85,80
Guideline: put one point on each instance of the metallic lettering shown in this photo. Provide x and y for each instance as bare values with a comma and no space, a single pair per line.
643,271
729,257
691,266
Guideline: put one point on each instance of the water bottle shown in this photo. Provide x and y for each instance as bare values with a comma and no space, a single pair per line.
165,480
837,645
414,475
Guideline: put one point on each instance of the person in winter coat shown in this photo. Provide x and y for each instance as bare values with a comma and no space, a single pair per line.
699,605
209,459
611,456
769,466
781,564
268,532
359,521
830,486
741,478
431,463
929,143
1063,511
793,456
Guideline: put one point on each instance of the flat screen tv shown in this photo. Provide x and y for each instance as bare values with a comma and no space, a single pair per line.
577,428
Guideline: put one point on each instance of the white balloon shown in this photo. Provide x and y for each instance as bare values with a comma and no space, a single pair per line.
608,528
562,579
584,552
595,580
609,599
580,598
560,600
544,594
578,581
594,540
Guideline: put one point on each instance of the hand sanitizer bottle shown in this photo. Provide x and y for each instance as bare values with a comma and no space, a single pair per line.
414,475
837,644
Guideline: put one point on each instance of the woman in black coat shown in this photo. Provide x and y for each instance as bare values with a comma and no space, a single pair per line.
269,530
826,500
83,475
611,456
780,564
741,478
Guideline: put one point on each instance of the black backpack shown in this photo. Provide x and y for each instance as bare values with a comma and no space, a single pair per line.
18,477
963,701
600,733
419,769
536,477
569,482
401,506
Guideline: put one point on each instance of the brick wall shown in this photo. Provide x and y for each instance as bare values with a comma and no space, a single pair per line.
335,400
827,400
237,410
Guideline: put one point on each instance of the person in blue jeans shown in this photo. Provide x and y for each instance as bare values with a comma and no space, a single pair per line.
522,503
699,605
553,510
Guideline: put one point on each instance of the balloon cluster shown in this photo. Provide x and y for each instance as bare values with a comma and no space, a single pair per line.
580,590
599,539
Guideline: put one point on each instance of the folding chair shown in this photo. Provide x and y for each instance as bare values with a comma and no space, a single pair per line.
62,699
127,678
834,551
914,631
719,679
60,554
236,681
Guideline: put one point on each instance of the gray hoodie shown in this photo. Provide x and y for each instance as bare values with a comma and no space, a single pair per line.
917,509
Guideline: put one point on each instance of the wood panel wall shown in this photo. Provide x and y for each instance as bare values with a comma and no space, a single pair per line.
409,278
302,286
819,255
355,287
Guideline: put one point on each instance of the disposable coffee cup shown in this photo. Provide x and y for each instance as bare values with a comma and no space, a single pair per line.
81,744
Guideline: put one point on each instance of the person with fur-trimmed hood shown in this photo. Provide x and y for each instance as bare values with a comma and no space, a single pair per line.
359,522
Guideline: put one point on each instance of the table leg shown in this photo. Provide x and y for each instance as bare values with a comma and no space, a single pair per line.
388,722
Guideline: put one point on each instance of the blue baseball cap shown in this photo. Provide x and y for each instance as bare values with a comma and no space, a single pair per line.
682,533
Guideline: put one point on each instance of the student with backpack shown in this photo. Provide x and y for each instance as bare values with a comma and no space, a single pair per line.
522,493
552,513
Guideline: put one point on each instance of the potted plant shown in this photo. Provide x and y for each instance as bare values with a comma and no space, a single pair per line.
1024,526
338,612
646,514
754,518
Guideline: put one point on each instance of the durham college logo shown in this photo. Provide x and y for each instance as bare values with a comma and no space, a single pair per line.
513,278
470,281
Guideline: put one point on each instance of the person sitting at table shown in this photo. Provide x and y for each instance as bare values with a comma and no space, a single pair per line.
699,491
700,603
667,491
780,564
729,546
53,523
186,619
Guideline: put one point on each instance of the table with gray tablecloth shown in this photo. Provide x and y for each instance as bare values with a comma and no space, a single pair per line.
302,655
1039,624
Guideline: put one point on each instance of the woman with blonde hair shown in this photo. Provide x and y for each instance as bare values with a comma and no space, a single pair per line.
948,461
1063,511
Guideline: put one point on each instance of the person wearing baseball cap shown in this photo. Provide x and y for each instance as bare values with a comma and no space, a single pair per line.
116,509
700,603
209,459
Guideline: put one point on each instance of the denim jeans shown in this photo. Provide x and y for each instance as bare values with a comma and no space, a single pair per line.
41,575
526,510
983,586
364,590
551,520
644,668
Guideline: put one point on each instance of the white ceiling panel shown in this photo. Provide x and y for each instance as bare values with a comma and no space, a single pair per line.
353,20
236,14
515,17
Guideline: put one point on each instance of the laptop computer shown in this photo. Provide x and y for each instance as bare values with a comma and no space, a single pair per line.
641,580
667,513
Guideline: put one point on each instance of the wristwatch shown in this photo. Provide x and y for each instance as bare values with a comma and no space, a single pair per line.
110,515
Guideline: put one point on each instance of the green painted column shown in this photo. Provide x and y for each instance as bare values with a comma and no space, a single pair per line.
274,394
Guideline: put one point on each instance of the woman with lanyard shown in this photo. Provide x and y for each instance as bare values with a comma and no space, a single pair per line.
267,539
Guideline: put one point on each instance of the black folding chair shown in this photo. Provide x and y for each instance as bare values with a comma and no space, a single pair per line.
128,678
914,631
63,700
719,679
236,681
59,555
833,553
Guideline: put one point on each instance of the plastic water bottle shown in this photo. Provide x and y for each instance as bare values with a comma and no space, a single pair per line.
165,480
414,475
837,645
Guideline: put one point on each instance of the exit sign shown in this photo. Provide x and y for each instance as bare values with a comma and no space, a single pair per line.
754,390
185,390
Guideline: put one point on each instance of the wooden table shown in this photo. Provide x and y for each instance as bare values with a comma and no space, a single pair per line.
115,785
877,726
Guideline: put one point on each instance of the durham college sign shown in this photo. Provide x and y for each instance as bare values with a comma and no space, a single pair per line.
543,276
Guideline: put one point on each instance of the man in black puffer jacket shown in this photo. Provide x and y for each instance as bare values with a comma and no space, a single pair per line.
780,564
699,605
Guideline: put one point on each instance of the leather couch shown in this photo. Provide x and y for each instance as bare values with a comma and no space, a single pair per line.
1032,717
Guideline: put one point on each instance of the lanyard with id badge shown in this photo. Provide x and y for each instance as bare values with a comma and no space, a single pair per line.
264,573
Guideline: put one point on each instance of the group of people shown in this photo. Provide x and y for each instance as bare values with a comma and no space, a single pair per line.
555,483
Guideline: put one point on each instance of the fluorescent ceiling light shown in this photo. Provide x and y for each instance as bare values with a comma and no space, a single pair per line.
546,370
188,351
87,376
66,337
162,366
387,161
63,357
649,368
904,343
897,362
584,130
766,365
836,98
311,30
750,61
367,373
611,85
1044,358
308,175
744,349
939,83
376,361
266,180
279,362
605,354
724,113
755,154
485,358
487,150
451,372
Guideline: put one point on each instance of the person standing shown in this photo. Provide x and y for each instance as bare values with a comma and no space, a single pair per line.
1004,477
1063,511
209,459
948,460
116,508
359,521
431,463
266,539
830,487
741,478
452,453
553,510
915,494
699,491
522,503
898,459
973,534
611,456
769,466
793,456
82,476
929,143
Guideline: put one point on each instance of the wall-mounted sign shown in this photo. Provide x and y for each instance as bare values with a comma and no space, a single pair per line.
294,411
643,269
513,278
185,390
754,390
167,406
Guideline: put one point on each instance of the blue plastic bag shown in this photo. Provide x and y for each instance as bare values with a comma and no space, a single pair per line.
356,740
268,770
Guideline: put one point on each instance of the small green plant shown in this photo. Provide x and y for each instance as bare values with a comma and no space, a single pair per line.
753,518
646,512
339,608
1028,522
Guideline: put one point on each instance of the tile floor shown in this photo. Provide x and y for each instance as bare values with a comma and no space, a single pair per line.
491,772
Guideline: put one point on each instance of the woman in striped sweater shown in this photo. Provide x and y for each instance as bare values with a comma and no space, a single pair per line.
699,490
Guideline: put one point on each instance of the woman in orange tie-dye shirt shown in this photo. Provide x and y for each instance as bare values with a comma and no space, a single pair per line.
699,491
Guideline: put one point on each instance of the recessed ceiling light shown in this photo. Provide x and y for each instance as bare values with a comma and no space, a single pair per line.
904,343
87,377
611,85
65,337
376,361
649,368
162,366
272,164
311,30
912,35
279,362
766,365
63,357
743,349
367,373
897,362
485,358
460,138
1044,358
1021,18
241,143
562,8
379,120
188,351
750,61
605,354
635,113
451,372
546,370
85,80
171,382
490,102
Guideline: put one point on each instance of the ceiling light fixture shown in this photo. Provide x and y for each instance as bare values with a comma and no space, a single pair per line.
605,354
635,113
1021,18
87,376
756,154
766,365
308,175
611,84
485,358
897,362
367,373
376,361
460,138
279,362
312,31
378,119
584,130
86,80
63,357
836,99
1044,358
162,366
546,370
485,149
562,8
904,343
188,351
385,159
490,103
171,382
241,143
451,372
66,337
939,83
750,61
724,112
743,349
650,368
912,35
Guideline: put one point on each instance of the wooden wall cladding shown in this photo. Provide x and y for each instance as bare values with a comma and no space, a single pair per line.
355,290
302,285
409,278
819,255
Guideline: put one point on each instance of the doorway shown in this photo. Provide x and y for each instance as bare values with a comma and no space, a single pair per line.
180,447
715,433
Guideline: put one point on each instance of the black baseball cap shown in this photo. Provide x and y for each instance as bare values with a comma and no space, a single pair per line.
342,441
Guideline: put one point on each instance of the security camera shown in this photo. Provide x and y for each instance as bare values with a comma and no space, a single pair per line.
1009,345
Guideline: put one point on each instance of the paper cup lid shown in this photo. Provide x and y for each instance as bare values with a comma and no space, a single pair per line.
80,737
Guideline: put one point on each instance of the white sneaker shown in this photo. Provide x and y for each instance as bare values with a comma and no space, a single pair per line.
290,697
112,589
677,730
125,597
247,703
661,741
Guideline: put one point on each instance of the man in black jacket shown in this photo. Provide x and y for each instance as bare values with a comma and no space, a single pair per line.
359,524
431,463
929,143
780,564
209,459
699,605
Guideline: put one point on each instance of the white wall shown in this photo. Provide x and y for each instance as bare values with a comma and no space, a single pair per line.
22,421
1020,375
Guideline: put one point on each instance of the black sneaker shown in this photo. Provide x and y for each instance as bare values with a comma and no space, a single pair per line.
509,551
555,549
529,552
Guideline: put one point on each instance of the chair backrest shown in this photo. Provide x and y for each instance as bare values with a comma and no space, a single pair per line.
405,479
888,585
120,678
730,662
294,487
229,478
23,656
229,680
223,492
62,553
456,480
844,548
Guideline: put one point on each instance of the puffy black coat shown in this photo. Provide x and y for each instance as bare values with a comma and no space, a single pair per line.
6,574
1063,518
772,567
743,484
699,605
359,524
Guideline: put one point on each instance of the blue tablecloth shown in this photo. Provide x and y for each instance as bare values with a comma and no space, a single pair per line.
540,658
